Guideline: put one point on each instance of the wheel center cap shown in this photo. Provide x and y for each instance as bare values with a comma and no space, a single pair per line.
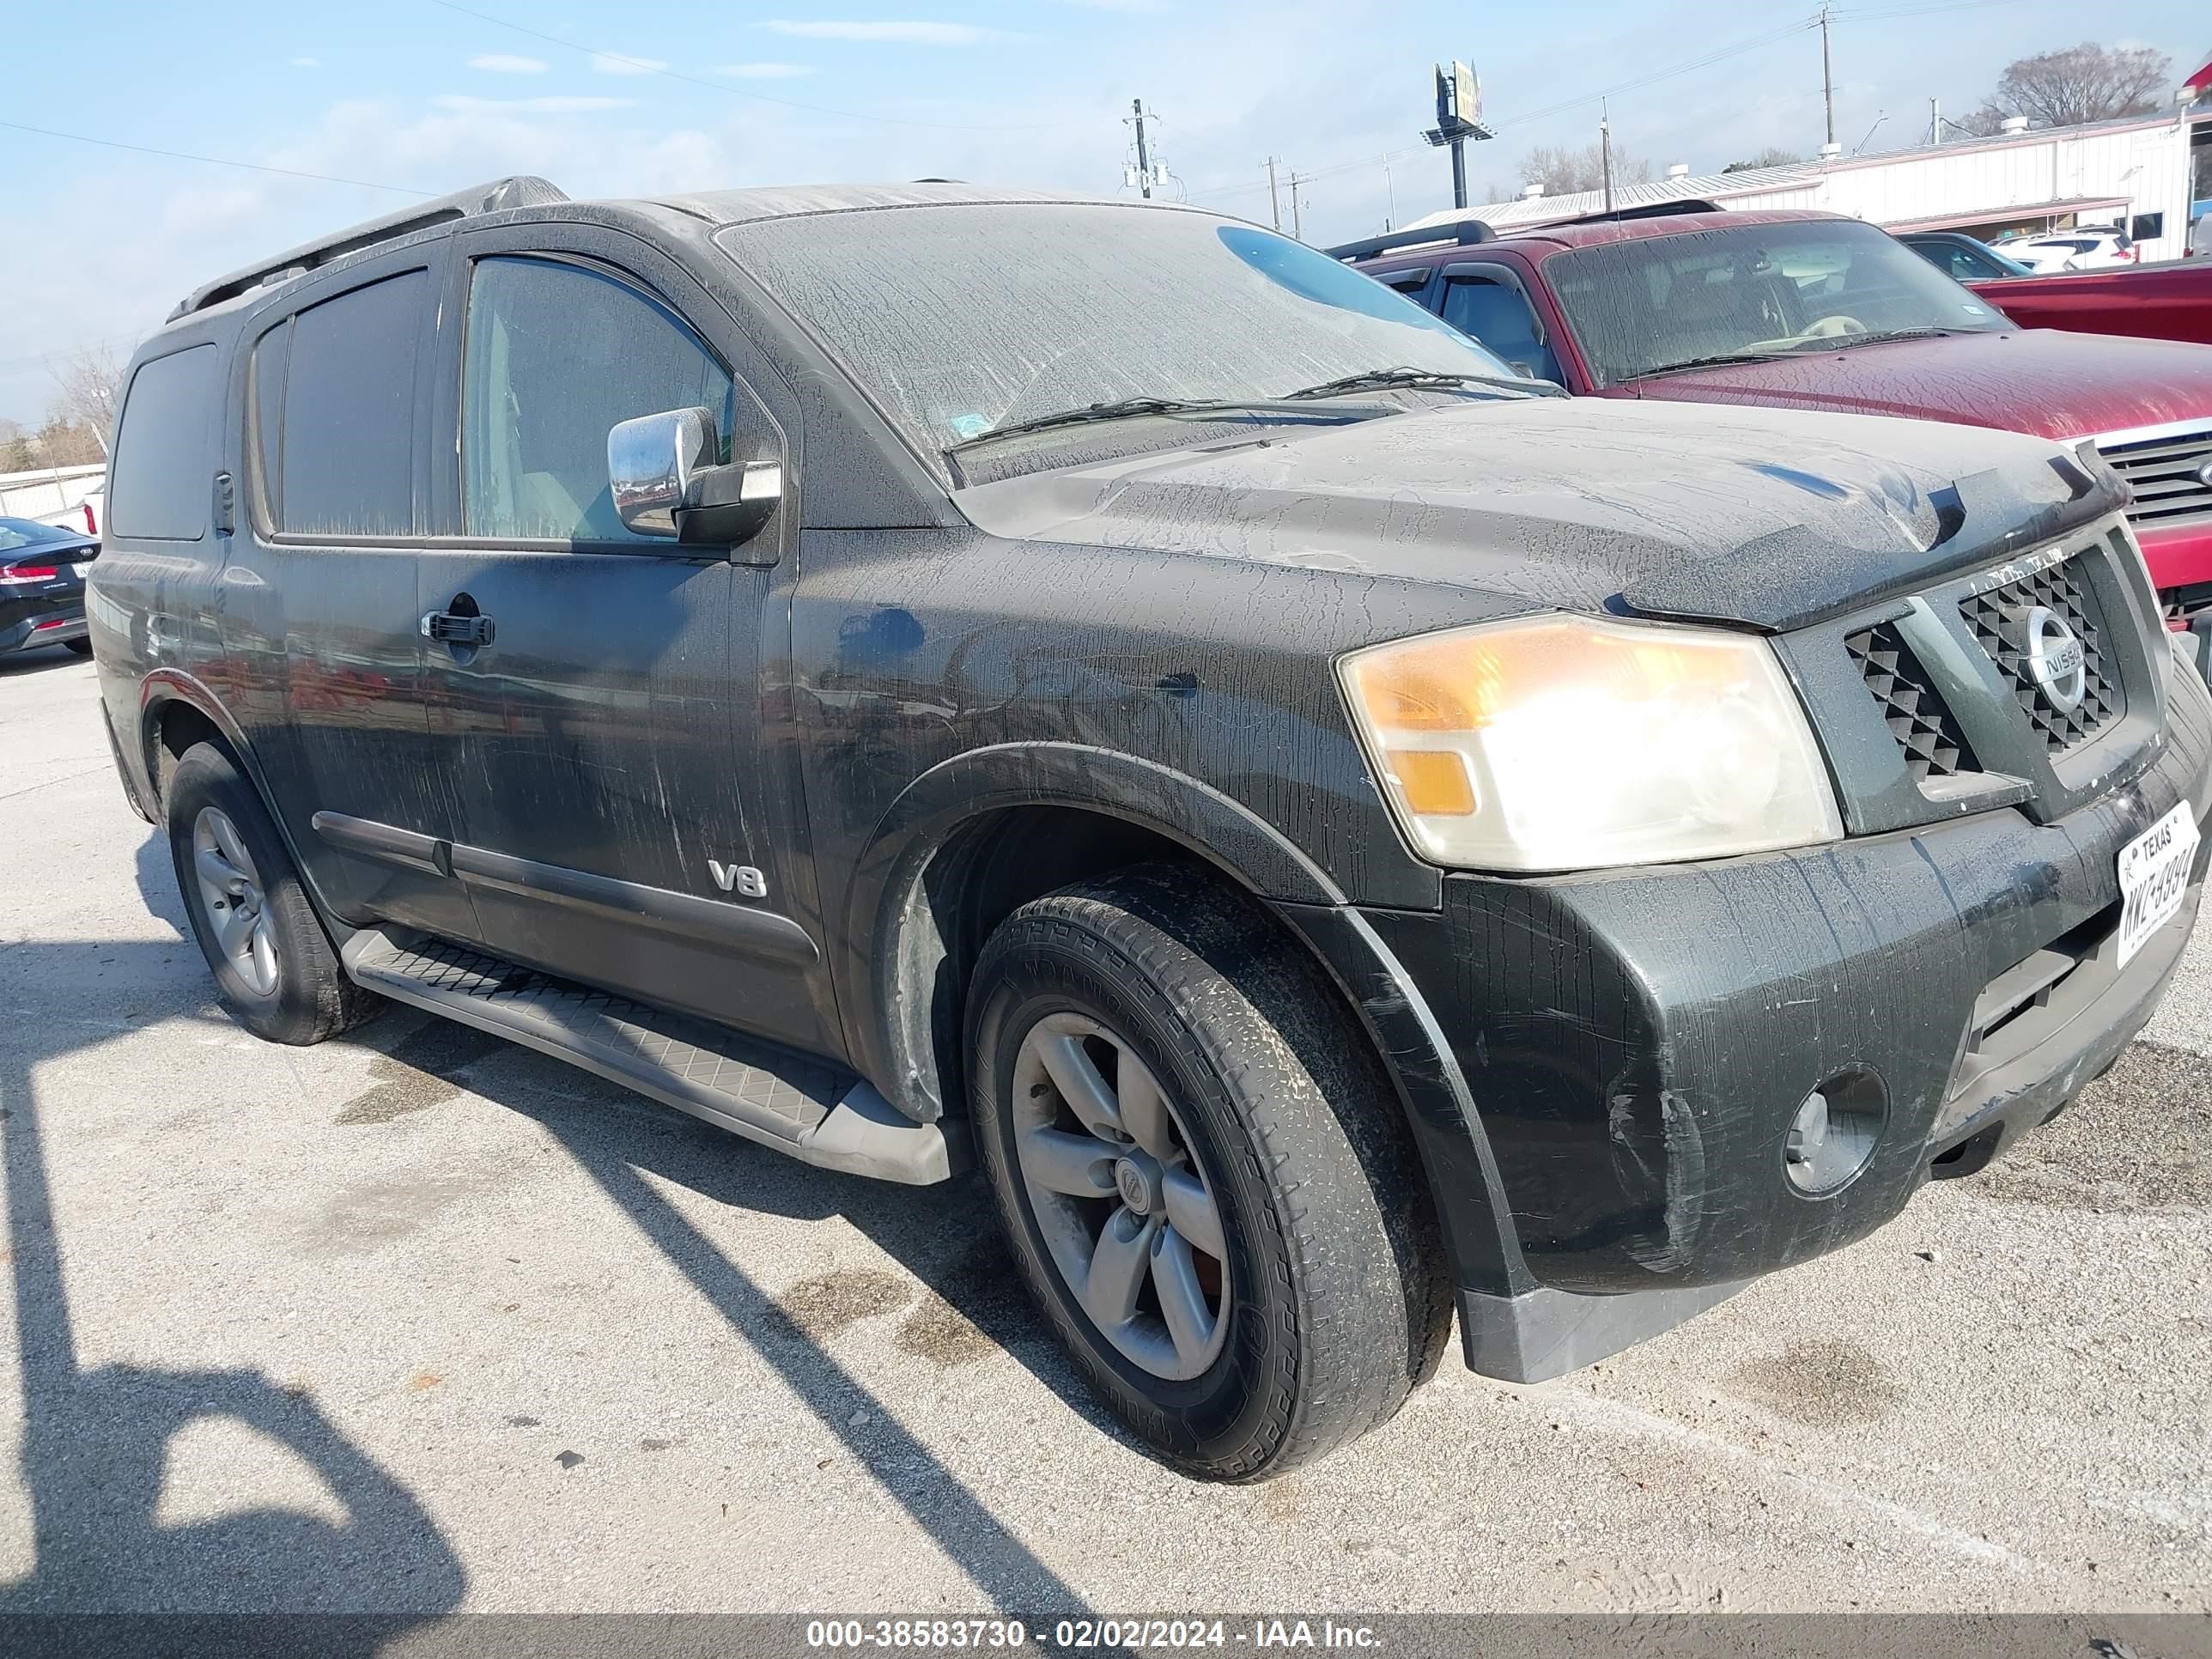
1138,1184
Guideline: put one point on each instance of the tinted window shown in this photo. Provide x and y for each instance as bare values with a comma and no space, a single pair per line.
1498,316
270,356
345,464
163,473
28,532
557,355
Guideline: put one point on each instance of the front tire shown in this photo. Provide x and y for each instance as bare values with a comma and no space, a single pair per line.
273,965
1204,1173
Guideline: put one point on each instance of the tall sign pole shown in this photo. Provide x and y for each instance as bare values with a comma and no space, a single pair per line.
1144,159
1459,118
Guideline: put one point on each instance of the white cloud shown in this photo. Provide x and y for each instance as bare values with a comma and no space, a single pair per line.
619,62
548,105
909,34
506,63
306,62
764,71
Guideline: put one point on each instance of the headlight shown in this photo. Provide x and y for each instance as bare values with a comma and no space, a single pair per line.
1568,742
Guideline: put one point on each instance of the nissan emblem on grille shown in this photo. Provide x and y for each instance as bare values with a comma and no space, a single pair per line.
2055,660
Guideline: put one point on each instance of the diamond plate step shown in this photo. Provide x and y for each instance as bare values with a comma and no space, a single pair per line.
813,1111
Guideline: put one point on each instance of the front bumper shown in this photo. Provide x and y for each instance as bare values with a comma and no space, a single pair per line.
1635,1044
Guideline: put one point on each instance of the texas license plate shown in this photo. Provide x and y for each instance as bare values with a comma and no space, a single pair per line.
2154,879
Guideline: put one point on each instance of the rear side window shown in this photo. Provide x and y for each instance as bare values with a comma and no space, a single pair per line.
557,355
334,406
164,465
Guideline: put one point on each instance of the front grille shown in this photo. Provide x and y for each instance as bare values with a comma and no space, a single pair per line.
1917,716
2169,474
1999,620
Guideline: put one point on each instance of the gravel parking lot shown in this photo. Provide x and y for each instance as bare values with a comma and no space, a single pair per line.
418,1320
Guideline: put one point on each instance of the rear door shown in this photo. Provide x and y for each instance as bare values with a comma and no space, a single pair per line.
621,820
320,627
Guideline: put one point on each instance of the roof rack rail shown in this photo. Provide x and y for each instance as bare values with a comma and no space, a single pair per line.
521,191
1642,210
1461,231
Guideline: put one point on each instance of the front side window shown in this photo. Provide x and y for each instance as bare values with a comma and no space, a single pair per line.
163,471
1501,318
557,355
1650,304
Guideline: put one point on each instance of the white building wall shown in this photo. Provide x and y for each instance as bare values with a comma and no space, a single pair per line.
2144,166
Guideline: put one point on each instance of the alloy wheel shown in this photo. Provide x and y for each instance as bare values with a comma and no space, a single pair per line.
233,900
1128,1216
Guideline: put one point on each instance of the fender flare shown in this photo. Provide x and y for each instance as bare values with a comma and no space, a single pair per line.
892,1041
164,686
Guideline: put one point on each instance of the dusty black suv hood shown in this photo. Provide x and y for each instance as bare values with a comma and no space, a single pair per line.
1766,518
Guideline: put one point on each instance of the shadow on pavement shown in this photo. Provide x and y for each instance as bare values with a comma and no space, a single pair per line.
95,1443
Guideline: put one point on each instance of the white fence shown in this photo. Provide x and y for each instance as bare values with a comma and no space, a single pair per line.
74,496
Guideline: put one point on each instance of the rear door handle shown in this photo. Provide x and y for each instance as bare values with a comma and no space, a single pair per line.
445,626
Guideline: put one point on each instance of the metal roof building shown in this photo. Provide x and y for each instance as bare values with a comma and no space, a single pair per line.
2135,172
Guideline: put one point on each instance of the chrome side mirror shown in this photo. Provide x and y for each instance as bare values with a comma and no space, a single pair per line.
651,462
667,482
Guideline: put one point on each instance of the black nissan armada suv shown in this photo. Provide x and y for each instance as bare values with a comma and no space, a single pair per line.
1341,836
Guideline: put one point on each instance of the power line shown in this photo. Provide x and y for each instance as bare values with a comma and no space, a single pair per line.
646,66
213,161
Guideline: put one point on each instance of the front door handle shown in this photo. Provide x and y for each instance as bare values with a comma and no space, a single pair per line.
455,630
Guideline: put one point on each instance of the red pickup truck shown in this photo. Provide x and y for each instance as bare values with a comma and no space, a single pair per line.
1816,311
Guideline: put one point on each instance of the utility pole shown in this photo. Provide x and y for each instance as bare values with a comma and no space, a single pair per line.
1144,159
1827,81
1934,122
1298,217
1605,153
1275,202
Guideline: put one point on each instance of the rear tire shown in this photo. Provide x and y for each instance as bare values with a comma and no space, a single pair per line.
273,965
1329,1300
83,648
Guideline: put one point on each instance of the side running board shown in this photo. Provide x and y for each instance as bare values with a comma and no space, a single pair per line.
816,1112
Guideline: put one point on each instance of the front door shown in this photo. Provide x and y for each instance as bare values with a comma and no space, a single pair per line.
595,693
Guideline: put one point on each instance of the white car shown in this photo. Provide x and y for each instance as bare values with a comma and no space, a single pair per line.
2089,248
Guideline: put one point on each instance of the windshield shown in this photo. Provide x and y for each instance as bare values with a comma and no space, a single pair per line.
27,532
964,318
1660,302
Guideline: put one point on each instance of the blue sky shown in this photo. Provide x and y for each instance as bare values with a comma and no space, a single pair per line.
608,99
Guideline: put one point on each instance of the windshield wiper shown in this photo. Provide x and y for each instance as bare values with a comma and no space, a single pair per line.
1873,336
1418,380
1714,362
1121,409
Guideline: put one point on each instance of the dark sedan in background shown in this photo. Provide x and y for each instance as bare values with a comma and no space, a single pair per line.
42,585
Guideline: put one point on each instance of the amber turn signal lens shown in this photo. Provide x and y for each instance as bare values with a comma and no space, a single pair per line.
1435,782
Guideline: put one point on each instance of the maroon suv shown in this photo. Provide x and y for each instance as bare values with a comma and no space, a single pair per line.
1816,311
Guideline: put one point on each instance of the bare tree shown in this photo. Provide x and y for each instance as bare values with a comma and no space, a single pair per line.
1772,156
64,442
2083,84
87,388
15,452
1562,171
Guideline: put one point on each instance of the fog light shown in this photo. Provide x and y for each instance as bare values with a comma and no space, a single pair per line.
1834,1133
